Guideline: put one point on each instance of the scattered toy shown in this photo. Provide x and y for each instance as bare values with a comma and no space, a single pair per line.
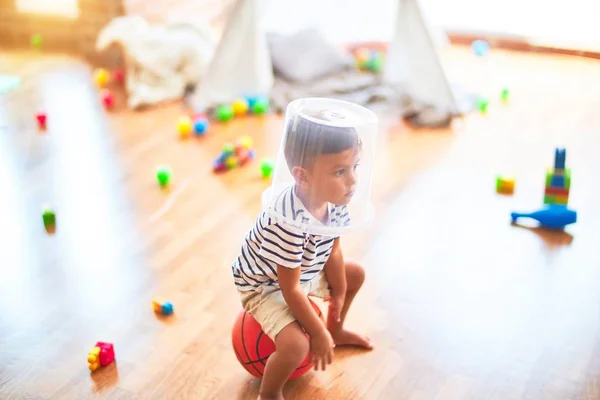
49,218
184,126
234,156
101,77
505,185
552,216
101,355
558,180
162,306
266,168
163,175
41,120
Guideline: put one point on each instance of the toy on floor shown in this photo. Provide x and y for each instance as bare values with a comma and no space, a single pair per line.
505,185
224,112
558,180
163,175
41,120
504,95
200,126
101,355
107,99
119,76
101,77
482,104
234,156
162,306
369,60
253,347
260,106
37,41
257,105
240,107
48,217
480,47
556,214
552,216
266,168
184,126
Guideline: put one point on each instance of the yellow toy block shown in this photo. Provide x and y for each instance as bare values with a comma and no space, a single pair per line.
92,359
505,185
157,303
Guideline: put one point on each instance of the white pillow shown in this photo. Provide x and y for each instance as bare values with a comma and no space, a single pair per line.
306,56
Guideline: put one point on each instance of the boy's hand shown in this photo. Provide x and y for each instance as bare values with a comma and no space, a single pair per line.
321,350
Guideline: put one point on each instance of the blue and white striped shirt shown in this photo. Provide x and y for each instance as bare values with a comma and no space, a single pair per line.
271,243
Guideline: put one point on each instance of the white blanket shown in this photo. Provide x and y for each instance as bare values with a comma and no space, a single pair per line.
162,61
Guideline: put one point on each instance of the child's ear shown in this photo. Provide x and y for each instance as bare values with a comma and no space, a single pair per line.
300,176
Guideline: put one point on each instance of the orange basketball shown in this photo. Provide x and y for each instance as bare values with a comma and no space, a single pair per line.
253,347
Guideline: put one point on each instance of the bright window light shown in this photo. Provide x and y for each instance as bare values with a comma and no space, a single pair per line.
61,8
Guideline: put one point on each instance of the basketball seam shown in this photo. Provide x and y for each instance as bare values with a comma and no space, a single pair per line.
244,345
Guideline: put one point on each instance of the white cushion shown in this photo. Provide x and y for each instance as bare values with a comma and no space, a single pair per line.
306,56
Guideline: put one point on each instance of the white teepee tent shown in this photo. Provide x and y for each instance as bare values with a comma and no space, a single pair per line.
413,61
241,64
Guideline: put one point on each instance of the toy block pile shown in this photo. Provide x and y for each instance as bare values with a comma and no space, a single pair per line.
234,156
558,180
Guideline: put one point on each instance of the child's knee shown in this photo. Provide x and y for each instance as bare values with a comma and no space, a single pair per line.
292,342
355,276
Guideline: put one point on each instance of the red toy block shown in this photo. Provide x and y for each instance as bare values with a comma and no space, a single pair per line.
107,98
107,353
556,191
41,119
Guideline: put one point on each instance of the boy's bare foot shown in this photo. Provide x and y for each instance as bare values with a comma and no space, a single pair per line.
344,337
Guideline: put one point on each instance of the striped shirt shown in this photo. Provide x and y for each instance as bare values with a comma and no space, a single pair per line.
271,243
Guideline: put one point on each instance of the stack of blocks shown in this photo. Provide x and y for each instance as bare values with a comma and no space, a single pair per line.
558,180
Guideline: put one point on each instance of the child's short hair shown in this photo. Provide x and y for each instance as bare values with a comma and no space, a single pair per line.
307,139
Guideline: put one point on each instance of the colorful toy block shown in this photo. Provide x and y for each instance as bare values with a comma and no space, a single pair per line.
558,180
101,355
233,156
162,306
505,185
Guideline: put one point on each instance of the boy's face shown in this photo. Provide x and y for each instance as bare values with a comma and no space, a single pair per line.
331,178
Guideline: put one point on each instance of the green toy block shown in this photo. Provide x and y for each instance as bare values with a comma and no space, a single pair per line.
549,199
549,178
568,178
49,217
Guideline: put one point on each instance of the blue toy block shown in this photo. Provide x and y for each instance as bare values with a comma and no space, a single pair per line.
560,158
167,308
557,181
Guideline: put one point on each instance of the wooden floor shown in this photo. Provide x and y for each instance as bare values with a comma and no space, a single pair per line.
462,305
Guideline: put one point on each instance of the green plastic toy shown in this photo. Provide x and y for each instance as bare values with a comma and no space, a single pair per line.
261,106
37,41
266,168
482,104
49,217
224,112
163,175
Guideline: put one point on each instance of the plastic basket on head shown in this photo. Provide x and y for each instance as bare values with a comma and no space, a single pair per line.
322,178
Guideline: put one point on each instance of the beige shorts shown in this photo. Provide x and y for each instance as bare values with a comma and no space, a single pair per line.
270,309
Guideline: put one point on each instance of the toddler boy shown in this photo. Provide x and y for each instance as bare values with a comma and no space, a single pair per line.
280,264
